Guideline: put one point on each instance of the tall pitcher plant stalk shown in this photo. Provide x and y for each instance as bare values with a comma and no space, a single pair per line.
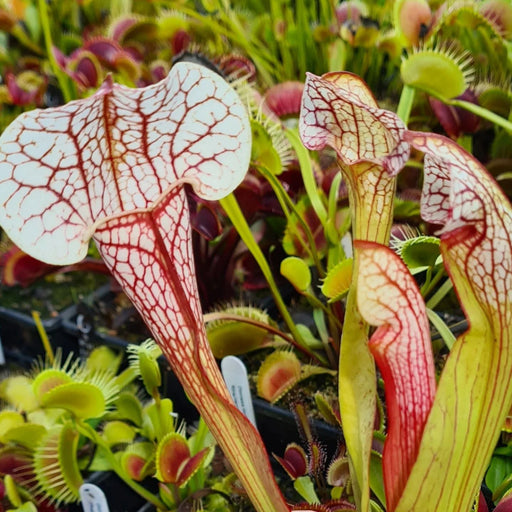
340,111
113,167
439,441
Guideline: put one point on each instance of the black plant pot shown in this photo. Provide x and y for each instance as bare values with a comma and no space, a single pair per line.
276,425
21,340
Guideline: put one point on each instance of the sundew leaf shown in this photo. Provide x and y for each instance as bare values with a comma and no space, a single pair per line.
474,394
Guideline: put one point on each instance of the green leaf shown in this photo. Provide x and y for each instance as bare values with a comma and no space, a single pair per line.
500,468
82,399
474,394
420,251
376,478
297,272
442,328
263,152
305,487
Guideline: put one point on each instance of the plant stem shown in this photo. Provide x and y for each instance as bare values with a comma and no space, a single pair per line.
307,175
59,74
405,104
91,434
431,282
237,218
480,112
287,204
442,328
440,294
211,317
44,337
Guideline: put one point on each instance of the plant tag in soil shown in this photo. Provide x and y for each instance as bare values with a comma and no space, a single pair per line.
93,499
235,376
2,355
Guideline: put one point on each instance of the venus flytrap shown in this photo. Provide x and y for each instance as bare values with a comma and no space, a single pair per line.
113,167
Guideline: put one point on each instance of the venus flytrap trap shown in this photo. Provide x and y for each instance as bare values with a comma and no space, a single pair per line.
113,167
49,445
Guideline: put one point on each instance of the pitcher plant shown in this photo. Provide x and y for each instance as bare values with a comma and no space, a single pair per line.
113,167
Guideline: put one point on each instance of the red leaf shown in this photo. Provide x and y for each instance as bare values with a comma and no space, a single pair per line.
173,453
388,297
134,465
191,465
505,505
20,268
294,461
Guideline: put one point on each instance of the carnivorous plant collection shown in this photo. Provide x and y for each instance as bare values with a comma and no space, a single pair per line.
114,167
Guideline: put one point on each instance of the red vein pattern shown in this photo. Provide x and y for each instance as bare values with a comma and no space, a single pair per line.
113,167
389,298
64,169
339,110
474,393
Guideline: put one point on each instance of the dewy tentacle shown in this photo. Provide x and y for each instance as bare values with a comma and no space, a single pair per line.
474,393
108,166
389,298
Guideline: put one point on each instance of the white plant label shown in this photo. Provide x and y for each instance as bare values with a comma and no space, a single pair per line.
2,355
93,498
235,376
